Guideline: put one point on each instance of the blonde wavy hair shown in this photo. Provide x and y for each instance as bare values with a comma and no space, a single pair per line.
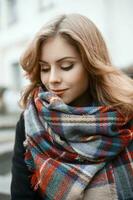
108,85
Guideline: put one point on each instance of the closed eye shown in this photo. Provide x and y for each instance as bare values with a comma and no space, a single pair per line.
45,69
68,67
65,68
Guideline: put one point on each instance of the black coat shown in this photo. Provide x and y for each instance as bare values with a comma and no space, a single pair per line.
20,184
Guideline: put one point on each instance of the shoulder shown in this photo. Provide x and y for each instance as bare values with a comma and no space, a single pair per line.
21,120
20,128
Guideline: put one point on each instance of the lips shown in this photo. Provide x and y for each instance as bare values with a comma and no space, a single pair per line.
58,92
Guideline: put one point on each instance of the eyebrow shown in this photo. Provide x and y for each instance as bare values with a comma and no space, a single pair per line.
59,60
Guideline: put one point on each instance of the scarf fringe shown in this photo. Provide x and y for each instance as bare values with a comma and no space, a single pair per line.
34,180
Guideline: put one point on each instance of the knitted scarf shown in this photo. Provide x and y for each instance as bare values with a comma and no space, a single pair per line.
66,146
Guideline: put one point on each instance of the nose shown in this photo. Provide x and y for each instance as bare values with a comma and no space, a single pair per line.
55,76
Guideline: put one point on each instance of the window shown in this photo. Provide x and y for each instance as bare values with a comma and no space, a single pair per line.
12,11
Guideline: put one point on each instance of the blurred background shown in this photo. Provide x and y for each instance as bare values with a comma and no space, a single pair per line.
19,21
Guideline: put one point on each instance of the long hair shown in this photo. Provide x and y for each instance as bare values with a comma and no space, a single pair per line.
107,84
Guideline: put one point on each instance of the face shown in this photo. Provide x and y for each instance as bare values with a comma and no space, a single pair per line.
62,72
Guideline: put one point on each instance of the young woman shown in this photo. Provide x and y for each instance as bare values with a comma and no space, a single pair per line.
74,138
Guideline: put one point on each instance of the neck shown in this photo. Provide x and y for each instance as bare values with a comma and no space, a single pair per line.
82,101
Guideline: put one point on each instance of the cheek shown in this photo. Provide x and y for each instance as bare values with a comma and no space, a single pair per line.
81,80
44,78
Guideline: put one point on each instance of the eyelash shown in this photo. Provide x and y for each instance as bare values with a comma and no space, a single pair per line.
63,68
67,68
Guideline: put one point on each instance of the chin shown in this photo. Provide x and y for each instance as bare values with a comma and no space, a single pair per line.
66,101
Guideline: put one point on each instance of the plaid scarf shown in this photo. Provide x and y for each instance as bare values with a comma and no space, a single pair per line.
66,147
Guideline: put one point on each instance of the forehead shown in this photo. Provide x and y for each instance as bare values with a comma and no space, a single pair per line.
56,48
